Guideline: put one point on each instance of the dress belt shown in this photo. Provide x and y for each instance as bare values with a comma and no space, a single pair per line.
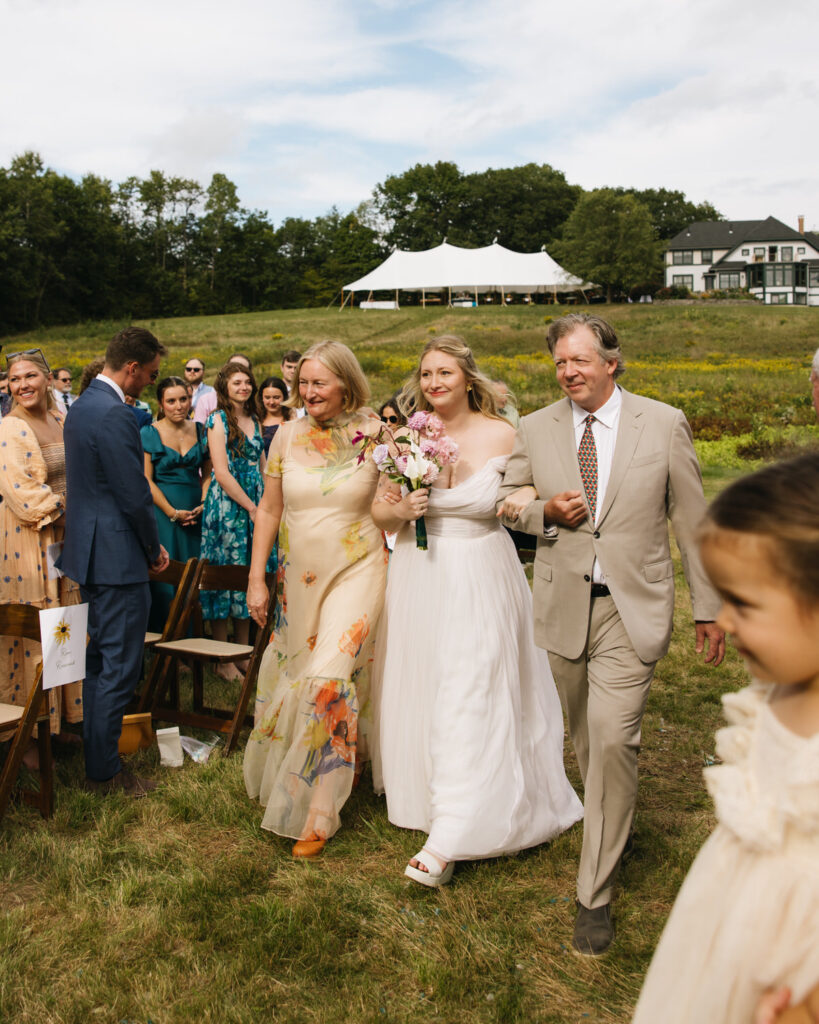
600,590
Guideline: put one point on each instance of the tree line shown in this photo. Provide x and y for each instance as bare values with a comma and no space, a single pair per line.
169,246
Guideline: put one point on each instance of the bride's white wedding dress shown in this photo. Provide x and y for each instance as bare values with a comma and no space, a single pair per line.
469,729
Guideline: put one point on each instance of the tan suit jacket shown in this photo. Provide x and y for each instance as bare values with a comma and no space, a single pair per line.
655,476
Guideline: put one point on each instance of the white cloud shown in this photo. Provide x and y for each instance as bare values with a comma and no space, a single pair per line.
310,105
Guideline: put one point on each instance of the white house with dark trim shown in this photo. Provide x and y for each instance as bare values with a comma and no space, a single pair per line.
775,263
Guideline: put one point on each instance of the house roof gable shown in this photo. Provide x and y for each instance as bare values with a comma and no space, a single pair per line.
728,234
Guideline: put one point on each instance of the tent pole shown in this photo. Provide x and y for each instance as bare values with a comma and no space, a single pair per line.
503,298
584,296
476,296
423,299
554,293
396,298
449,289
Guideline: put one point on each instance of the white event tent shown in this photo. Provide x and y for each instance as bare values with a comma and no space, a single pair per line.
492,268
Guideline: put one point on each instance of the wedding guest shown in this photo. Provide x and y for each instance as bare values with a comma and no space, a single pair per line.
89,372
390,413
194,375
62,389
177,466
290,360
506,406
308,741
470,732
111,544
747,916
32,483
208,402
237,455
270,408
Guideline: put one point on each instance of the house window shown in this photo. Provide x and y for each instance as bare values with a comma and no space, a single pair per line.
754,273
729,280
746,252
813,277
708,281
682,256
759,254
787,253
779,275
800,251
707,255
800,299
779,299
800,277
683,281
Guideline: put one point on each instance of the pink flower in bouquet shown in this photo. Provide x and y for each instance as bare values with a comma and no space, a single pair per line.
428,446
401,463
447,451
431,474
380,454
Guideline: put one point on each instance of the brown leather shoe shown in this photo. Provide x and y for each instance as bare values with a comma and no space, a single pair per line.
593,930
131,785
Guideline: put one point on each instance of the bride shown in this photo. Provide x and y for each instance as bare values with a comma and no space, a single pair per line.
469,744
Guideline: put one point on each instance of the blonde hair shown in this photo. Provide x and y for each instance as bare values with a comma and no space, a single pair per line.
339,360
480,393
38,359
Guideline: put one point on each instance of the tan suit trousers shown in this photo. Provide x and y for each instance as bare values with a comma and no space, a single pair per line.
604,693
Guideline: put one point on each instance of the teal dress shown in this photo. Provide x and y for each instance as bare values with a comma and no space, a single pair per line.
179,479
227,530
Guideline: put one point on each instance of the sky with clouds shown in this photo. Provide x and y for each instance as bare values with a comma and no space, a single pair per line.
308,105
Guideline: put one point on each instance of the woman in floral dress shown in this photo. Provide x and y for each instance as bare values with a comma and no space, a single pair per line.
237,455
32,485
313,690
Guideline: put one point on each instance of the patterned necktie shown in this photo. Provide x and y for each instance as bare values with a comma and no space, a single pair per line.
587,457
65,401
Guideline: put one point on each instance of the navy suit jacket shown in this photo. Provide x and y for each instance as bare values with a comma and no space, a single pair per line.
110,527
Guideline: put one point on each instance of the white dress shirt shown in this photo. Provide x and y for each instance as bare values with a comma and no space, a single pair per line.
111,384
604,430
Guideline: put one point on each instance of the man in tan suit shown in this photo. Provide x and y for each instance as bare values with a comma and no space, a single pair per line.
603,576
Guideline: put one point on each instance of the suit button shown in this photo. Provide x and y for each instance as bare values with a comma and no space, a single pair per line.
587,579
597,535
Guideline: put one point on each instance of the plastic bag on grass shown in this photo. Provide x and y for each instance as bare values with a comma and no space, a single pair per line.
199,750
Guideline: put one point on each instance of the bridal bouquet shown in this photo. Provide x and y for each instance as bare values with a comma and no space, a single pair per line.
415,457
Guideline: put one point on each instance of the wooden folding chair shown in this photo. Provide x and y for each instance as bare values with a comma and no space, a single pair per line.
185,577
202,650
17,723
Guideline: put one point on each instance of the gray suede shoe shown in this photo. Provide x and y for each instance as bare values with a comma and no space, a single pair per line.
593,930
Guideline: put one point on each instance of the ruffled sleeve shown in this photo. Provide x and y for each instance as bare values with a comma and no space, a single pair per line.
763,816
23,476
152,442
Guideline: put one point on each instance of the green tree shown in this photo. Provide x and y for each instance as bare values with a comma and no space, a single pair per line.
609,240
421,205
524,207
670,210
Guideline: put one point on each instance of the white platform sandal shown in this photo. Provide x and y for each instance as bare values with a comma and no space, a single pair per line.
433,877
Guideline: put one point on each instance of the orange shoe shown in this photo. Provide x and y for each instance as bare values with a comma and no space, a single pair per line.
310,847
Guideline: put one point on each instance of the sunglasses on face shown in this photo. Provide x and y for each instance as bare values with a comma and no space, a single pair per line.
193,369
389,419
65,380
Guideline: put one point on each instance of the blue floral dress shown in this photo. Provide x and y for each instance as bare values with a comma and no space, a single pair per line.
227,530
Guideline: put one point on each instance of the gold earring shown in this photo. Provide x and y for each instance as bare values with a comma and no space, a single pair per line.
468,387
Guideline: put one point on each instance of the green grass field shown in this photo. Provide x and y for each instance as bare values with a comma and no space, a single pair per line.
178,908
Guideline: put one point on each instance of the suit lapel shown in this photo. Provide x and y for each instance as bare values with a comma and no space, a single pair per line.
628,434
566,445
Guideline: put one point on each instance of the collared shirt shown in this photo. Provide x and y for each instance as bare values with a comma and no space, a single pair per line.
604,430
64,399
200,391
112,384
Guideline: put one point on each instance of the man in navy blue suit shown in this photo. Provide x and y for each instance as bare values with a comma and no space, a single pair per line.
111,541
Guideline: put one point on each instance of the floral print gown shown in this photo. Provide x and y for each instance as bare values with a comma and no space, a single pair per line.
227,530
313,689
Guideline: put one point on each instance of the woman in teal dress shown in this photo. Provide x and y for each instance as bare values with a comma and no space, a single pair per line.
177,466
237,451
